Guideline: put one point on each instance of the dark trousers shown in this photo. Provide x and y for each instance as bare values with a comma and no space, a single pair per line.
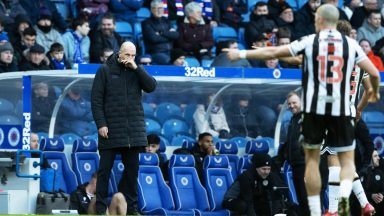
128,182
298,173
236,206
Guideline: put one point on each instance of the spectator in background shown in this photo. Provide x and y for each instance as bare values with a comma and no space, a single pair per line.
231,11
34,141
42,107
305,18
253,192
272,63
285,19
221,59
371,29
56,57
77,43
16,30
92,10
3,34
373,183
353,34
7,61
9,10
153,147
260,24
284,38
242,119
376,60
46,34
125,10
158,34
33,9
276,6
210,10
178,58
195,36
105,37
76,115
145,60
202,149
360,13
212,121
28,39
34,59
292,151
105,55
349,7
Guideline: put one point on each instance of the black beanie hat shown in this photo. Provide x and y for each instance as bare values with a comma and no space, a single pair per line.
175,54
260,160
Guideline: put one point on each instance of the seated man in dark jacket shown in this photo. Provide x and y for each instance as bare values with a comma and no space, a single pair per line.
83,199
158,34
257,191
34,59
7,61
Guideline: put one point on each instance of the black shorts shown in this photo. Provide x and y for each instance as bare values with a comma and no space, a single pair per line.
337,131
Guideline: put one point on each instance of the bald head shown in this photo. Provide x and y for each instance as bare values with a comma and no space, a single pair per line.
327,16
127,45
127,51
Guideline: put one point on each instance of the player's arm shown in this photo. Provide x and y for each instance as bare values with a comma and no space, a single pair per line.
293,60
263,53
374,75
364,99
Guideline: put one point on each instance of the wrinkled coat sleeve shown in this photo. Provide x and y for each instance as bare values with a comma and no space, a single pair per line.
98,97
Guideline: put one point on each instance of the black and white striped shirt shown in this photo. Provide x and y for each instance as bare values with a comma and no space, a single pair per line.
328,61
357,77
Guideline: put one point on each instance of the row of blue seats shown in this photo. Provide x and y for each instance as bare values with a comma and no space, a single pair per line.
183,176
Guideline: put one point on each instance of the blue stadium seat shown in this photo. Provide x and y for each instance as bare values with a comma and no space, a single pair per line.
241,141
19,108
9,120
142,14
244,163
137,29
163,142
259,145
148,110
206,62
287,170
230,149
63,8
85,162
188,144
154,195
374,119
152,126
6,106
174,127
224,33
53,153
218,179
187,190
192,61
179,140
124,29
297,4
69,138
166,110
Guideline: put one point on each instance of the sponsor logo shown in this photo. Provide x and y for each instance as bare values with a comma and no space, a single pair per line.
14,137
199,72
27,131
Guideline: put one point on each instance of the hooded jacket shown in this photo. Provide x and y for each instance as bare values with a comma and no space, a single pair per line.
116,103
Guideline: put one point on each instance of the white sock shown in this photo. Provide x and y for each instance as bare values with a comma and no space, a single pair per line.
333,188
314,205
358,190
345,188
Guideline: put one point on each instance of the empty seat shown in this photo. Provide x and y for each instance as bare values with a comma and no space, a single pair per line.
152,126
173,127
124,29
9,120
69,138
148,110
85,162
192,61
166,110
230,149
6,106
53,153
241,141
187,144
218,179
154,195
259,145
224,33
188,113
142,14
244,163
179,140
